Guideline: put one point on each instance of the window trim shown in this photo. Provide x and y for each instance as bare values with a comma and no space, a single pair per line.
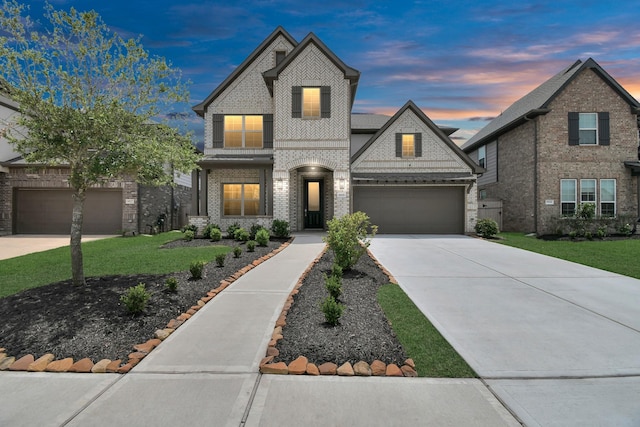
595,130
412,155
574,201
595,191
242,199
614,202
244,132
319,103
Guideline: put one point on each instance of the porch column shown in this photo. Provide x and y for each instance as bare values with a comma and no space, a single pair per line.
195,193
204,190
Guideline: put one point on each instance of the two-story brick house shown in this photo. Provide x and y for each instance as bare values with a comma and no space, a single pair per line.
572,140
279,144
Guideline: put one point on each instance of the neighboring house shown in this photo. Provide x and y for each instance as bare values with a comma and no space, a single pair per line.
282,143
572,140
37,200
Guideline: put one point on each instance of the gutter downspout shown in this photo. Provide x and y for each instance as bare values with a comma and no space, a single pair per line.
535,172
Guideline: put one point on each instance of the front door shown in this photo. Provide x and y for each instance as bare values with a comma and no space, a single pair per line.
313,204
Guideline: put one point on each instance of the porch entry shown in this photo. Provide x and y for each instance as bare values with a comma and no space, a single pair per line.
313,203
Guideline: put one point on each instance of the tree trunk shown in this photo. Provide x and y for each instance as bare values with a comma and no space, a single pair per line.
77,268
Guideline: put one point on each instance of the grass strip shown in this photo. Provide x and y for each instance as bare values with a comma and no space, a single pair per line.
113,256
432,354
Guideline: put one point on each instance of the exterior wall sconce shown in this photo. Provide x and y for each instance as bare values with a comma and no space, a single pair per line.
279,184
342,184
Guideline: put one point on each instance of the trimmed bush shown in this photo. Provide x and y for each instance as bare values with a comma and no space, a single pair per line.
253,230
241,235
136,298
336,270
237,251
220,258
349,237
334,286
215,235
206,233
190,227
280,228
231,230
262,237
196,269
332,310
251,245
486,227
172,284
189,235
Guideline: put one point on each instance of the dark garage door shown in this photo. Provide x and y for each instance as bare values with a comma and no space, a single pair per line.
417,210
48,211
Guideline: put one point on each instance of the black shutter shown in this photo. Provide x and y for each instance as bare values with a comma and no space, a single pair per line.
267,131
218,131
325,102
398,145
603,128
417,138
574,128
296,102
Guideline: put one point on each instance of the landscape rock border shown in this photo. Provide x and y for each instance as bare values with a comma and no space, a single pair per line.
48,362
301,365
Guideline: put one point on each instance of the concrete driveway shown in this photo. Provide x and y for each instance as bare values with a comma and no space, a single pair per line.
557,342
23,244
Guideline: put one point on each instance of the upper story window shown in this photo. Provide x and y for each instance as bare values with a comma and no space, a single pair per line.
408,145
482,156
243,131
311,102
280,54
589,129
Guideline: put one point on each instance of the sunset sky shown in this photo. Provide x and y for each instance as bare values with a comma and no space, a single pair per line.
462,62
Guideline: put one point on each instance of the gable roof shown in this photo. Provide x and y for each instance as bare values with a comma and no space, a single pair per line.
199,109
537,102
349,73
410,105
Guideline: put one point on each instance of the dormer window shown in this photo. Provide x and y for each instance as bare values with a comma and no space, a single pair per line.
280,54
311,102
408,145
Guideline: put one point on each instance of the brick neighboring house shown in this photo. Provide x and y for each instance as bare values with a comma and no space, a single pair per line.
572,140
37,200
281,143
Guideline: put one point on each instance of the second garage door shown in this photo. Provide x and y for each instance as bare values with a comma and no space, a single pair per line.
48,211
416,210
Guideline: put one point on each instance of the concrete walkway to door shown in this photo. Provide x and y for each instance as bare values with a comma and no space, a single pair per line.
557,342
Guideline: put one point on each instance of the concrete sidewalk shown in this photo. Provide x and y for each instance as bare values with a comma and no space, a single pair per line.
206,373
22,244
556,341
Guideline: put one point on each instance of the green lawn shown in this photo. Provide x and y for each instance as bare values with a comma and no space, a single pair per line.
618,256
117,255
432,354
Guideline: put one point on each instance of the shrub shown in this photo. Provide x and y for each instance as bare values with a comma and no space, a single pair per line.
280,228
231,230
220,258
189,235
588,235
253,230
332,310
215,235
262,237
348,238
136,298
334,286
206,233
602,232
196,269
586,211
486,227
251,245
241,235
189,227
336,270
172,284
625,229
237,251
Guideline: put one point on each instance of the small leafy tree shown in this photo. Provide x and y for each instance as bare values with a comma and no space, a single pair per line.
89,100
349,237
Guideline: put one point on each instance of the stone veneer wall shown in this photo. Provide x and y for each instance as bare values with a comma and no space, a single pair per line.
58,177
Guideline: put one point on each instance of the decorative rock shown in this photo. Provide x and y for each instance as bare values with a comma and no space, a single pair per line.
41,364
174,324
394,371
298,366
137,355
206,299
312,369
266,361
279,368
143,348
328,368
277,337
184,316
378,368
83,365
346,370
273,343
101,366
60,365
125,368
201,303
154,342
272,351
191,312
362,369
281,321
277,331
408,371
23,363
6,362
410,362
162,334
114,366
